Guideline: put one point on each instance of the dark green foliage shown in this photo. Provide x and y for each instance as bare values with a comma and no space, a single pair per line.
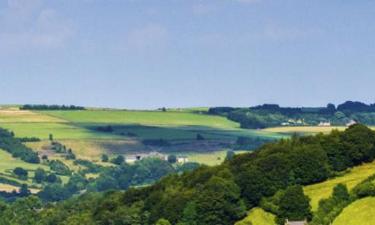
105,158
230,155
172,159
53,192
39,175
90,166
294,205
189,166
51,107
218,202
118,160
15,147
29,139
59,167
250,143
270,115
20,173
200,137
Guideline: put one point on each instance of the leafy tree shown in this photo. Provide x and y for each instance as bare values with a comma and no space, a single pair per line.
294,205
105,158
230,155
21,173
24,191
172,159
219,202
50,137
118,160
40,175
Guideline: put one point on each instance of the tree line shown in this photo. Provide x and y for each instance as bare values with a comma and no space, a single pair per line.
51,107
271,115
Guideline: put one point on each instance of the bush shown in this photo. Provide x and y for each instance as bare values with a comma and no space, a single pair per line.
21,173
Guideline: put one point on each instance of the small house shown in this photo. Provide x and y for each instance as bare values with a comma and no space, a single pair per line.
287,222
182,159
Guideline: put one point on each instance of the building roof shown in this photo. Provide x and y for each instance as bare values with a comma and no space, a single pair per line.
296,223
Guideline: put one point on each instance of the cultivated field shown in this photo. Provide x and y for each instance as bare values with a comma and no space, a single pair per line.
78,130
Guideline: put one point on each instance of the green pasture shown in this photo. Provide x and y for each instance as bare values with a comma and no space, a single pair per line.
353,177
172,118
361,212
258,216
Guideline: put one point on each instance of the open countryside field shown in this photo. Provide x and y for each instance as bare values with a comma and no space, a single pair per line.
78,130
323,190
258,216
360,212
8,163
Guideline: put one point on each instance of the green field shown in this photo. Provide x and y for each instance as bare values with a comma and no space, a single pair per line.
79,130
8,163
323,190
258,216
360,212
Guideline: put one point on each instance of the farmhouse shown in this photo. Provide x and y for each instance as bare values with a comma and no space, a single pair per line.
182,159
287,222
140,156
351,123
324,124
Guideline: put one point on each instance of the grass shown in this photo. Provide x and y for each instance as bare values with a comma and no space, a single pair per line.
59,131
258,216
323,190
8,163
360,212
172,118
208,158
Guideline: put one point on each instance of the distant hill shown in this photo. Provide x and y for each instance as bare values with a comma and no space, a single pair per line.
272,115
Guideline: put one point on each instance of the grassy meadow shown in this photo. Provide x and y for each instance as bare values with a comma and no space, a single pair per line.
360,212
353,177
258,216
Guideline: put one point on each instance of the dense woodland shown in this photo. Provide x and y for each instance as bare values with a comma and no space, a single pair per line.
216,195
51,107
271,115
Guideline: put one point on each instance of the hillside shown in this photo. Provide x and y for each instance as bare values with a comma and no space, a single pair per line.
360,212
270,178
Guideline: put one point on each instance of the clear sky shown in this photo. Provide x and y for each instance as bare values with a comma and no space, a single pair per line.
179,53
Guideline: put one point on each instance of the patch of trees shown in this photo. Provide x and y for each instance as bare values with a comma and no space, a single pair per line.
51,107
15,147
59,167
271,115
250,143
62,149
29,139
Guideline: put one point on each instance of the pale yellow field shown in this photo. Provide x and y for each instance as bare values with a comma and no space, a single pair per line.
19,116
361,212
303,129
10,188
323,190
258,216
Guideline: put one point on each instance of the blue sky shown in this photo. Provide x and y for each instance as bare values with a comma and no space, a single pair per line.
180,53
